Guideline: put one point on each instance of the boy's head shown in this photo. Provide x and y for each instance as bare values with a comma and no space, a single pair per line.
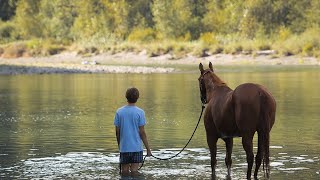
132,95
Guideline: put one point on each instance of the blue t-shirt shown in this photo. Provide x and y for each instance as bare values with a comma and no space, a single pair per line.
129,119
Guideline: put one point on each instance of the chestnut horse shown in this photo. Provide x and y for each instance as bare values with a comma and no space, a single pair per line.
241,112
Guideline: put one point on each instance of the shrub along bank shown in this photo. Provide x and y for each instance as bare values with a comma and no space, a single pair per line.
181,28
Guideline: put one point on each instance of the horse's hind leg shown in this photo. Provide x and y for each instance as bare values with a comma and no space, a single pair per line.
247,145
258,156
228,160
212,143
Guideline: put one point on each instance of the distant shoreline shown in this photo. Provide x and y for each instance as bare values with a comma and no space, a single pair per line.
128,62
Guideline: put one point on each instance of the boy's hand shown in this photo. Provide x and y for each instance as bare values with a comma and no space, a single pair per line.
149,153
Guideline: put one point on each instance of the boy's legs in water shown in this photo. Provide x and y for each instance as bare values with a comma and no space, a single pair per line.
126,169
134,167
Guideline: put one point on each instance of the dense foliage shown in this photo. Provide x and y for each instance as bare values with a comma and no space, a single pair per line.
256,24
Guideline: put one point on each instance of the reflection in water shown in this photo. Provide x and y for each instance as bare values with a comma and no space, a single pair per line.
192,163
61,126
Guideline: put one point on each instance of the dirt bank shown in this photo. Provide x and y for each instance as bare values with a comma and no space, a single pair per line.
70,62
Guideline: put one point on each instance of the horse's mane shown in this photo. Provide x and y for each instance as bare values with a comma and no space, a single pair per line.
216,80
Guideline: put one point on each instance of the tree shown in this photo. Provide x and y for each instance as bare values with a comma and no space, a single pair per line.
223,16
139,14
7,9
27,20
313,13
196,25
290,14
172,17
90,19
57,18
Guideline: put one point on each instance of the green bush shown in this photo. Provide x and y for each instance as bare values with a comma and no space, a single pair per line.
34,44
88,50
128,47
104,41
7,32
163,48
53,49
201,52
307,49
208,38
233,48
185,38
306,43
284,33
142,35
311,41
216,49
38,47
264,46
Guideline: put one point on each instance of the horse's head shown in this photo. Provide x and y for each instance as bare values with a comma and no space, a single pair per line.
208,80
203,80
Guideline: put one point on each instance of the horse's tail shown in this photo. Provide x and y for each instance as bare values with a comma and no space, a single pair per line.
265,128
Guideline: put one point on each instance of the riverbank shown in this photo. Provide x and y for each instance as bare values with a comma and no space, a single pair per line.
129,62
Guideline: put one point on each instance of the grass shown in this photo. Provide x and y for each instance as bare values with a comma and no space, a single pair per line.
14,50
284,43
34,47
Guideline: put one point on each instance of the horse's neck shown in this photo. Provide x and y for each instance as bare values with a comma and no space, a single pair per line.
218,90
211,87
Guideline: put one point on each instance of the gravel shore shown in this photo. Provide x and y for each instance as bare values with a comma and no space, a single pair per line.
69,62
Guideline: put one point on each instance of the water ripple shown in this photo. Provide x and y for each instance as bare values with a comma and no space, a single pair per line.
192,163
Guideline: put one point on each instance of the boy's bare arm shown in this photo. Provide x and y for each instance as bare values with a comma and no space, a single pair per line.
144,138
118,135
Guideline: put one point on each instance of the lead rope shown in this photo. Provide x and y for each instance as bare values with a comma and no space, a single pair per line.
163,159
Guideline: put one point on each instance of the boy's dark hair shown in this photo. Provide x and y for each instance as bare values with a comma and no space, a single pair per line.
132,95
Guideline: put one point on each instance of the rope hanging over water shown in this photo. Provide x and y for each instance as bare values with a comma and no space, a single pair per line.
164,159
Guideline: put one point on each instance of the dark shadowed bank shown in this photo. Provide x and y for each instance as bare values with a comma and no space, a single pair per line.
136,63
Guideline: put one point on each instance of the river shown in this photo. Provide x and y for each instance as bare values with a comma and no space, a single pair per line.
60,126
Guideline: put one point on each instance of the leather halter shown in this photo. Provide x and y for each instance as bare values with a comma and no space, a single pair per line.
203,96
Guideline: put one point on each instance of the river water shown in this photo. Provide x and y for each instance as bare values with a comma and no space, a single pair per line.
61,126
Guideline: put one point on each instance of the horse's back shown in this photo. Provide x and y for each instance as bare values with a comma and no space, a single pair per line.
249,101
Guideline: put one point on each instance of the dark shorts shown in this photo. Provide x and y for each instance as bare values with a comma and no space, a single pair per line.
131,157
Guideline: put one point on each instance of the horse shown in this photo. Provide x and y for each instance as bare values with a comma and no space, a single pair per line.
241,112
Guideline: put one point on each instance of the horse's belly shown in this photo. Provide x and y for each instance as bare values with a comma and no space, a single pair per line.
231,135
228,128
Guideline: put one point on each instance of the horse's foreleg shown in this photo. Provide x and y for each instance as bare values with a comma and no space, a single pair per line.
228,160
247,145
212,143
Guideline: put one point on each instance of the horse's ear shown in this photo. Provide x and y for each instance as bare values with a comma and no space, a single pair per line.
201,68
210,66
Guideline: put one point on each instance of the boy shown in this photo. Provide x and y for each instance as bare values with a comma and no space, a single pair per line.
129,121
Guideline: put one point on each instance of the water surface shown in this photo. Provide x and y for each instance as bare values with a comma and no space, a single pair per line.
61,126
